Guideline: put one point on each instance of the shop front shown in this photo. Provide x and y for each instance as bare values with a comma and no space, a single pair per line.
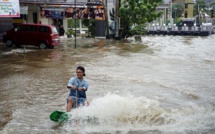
58,14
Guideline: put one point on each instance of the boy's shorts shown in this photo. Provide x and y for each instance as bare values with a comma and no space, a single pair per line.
81,101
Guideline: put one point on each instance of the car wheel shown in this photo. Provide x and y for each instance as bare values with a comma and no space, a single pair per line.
9,43
42,45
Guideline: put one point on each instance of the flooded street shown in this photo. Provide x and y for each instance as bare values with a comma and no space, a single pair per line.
162,85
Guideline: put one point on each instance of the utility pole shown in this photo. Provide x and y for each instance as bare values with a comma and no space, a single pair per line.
116,19
106,18
198,13
175,9
75,24
171,13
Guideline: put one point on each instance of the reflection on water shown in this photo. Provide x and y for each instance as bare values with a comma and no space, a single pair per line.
162,85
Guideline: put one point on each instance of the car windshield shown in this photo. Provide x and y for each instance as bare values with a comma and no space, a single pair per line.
54,30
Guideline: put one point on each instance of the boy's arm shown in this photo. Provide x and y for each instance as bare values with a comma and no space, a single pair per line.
69,85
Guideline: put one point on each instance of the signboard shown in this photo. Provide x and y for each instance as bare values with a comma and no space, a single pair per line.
9,8
96,13
52,12
80,12
24,10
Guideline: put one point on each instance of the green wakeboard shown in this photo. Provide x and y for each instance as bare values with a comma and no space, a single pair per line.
59,116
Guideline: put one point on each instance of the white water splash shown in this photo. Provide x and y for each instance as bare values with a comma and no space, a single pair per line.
113,113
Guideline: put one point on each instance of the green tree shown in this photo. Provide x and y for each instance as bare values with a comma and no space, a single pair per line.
212,4
212,11
134,14
90,24
202,7
178,10
71,23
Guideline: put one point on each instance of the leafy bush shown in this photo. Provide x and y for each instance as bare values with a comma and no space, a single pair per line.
70,32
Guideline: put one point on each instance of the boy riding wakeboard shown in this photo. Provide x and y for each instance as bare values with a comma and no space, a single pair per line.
77,96
78,86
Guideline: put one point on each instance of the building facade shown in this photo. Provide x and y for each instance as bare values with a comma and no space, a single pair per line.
33,14
188,9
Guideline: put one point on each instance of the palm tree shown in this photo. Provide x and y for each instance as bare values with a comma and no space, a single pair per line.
212,4
200,5
178,10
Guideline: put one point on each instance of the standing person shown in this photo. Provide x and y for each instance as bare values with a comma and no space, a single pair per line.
43,13
62,31
77,85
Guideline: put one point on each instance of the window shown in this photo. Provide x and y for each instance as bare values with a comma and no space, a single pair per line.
31,28
186,6
19,28
185,15
43,29
54,30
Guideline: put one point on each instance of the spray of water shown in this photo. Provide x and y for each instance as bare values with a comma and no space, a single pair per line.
112,113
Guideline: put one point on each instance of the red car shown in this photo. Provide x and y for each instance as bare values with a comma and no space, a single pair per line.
44,36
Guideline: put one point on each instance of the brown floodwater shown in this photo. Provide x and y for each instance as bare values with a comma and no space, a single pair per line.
163,84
